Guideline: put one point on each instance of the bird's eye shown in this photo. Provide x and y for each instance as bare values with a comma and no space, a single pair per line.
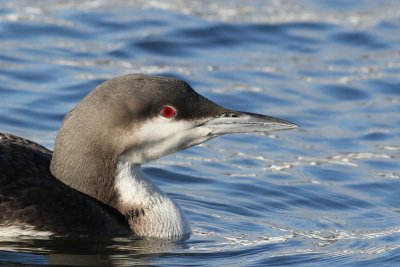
168,112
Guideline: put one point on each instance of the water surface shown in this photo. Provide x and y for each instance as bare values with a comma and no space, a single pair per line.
325,194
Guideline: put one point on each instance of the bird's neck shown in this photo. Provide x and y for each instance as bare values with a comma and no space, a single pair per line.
95,170
150,211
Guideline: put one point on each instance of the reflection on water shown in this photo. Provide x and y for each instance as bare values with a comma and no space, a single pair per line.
326,193
85,251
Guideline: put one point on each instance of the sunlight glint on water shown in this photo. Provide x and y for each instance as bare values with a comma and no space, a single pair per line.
325,194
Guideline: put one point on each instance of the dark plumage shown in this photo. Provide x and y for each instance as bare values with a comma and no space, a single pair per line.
30,195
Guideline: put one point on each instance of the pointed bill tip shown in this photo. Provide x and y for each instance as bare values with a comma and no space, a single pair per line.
286,125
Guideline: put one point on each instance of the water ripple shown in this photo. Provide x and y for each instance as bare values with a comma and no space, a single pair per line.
325,194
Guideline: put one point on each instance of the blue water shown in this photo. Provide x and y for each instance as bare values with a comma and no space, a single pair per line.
326,194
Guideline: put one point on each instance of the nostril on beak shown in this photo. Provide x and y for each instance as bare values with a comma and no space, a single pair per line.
229,115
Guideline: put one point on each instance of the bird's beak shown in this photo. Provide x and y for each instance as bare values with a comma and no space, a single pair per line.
245,122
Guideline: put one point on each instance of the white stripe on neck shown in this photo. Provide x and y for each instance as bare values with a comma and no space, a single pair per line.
162,216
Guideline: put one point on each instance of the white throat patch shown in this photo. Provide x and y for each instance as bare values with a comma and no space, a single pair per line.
159,136
155,213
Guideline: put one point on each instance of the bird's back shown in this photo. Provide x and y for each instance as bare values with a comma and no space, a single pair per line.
32,199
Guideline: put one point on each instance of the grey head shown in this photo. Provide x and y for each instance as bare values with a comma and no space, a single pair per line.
136,119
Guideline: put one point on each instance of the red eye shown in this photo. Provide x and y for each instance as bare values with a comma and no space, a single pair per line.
168,112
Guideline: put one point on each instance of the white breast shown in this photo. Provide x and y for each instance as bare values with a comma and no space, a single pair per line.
162,216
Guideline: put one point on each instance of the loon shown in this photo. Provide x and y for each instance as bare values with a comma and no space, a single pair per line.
92,183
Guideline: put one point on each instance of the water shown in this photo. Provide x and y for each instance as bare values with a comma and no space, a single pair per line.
325,194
